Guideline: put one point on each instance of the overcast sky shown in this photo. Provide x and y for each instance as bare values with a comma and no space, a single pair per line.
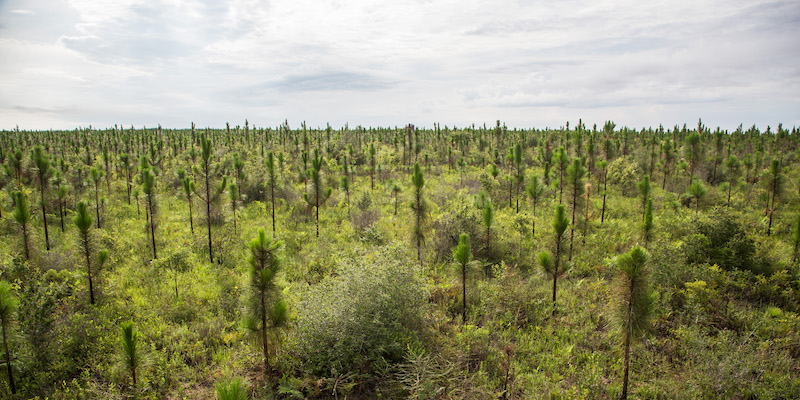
527,63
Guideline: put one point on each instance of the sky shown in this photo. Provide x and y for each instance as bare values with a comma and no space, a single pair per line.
74,63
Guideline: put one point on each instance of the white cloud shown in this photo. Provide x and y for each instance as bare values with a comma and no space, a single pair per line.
457,62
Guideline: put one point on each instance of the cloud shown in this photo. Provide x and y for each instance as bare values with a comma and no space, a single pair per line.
527,63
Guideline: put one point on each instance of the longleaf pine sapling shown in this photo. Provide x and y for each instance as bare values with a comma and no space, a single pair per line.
130,350
267,308
633,302
42,163
83,221
318,195
22,215
419,207
462,256
535,191
575,174
553,265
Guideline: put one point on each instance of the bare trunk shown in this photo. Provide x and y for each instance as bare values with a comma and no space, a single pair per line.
97,204
191,220
272,198
208,215
152,224
8,363
44,216
264,342
464,294
25,240
88,267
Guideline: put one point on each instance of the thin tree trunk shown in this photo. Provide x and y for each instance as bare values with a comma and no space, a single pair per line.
152,224
264,333
586,218
44,216
572,226
464,294
627,363
97,204
88,267
272,198
25,240
605,193
61,214
191,220
8,363
128,183
208,215
316,210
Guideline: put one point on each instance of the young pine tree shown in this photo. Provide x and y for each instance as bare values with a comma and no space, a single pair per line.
535,191
8,308
130,350
22,214
61,193
396,189
734,167
462,256
488,219
148,187
211,194
419,207
83,221
96,175
188,189
553,265
644,190
697,190
318,197
233,191
518,165
633,302
125,160
647,225
575,174
43,170
603,166
775,186
267,309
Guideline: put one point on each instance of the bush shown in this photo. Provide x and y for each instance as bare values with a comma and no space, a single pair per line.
721,240
624,173
363,319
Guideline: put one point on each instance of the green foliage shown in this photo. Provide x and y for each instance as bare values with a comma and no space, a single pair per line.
231,389
698,191
363,318
634,300
130,349
83,220
267,309
722,240
560,221
623,173
8,307
647,225
22,213
461,253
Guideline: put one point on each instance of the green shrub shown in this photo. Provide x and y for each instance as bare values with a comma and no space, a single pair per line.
721,240
362,319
